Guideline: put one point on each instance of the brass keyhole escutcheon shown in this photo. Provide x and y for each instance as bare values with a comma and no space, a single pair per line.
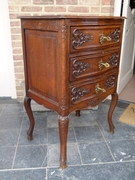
97,89
102,38
101,64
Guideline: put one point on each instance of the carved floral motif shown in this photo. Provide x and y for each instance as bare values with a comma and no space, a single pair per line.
113,60
64,32
94,102
77,93
79,67
63,122
110,81
63,103
115,35
78,38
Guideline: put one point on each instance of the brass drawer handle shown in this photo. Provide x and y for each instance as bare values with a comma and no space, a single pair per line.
101,64
102,38
97,89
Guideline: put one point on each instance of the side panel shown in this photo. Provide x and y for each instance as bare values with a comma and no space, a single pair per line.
41,59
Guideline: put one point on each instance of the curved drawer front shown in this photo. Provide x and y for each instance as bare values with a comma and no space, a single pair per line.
79,93
85,66
93,37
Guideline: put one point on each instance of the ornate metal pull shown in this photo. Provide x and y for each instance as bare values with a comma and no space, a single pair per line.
107,65
97,89
102,38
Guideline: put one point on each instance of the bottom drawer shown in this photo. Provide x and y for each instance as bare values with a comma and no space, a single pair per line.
101,87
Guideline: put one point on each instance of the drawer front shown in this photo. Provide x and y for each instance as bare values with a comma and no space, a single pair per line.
100,87
85,66
94,37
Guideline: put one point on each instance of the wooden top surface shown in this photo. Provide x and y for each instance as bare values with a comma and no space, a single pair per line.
69,17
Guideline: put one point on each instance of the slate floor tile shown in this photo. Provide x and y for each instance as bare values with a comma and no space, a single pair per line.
73,156
6,157
40,120
88,134
30,156
53,135
120,133
123,150
9,137
86,119
33,174
112,171
39,137
95,153
10,122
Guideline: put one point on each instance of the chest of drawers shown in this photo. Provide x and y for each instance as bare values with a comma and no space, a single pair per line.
70,63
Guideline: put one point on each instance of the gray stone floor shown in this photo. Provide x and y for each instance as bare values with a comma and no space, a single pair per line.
93,153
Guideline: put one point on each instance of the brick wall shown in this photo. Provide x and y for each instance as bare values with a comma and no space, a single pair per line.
39,7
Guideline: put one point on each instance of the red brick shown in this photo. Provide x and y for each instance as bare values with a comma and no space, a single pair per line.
106,10
15,30
17,57
67,2
78,9
107,2
43,2
95,9
55,9
18,69
18,63
17,51
15,23
16,44
13,8
89,2
19,2
16,37
31,9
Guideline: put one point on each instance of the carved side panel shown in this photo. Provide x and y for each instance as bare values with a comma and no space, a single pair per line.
78,38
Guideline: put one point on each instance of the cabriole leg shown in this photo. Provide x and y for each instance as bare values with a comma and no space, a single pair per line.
111,109
63,123
27,105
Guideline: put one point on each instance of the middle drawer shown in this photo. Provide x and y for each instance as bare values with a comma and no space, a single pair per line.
85,66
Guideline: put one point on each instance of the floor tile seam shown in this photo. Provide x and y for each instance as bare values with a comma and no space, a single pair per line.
17,143
94,164
2,110
8,146
75,165
46,147
23,169
33,145
77,146
107,144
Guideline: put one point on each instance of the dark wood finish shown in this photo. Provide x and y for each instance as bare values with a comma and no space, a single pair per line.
71,63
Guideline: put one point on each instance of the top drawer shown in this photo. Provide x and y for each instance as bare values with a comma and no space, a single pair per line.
94,37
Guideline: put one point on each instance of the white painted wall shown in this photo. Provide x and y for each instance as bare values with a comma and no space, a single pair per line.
128,44
7,78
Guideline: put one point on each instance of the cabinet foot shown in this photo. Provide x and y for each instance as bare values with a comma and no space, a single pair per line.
63,123
27,105
111,109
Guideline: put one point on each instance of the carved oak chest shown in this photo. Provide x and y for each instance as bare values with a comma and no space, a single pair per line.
71,63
